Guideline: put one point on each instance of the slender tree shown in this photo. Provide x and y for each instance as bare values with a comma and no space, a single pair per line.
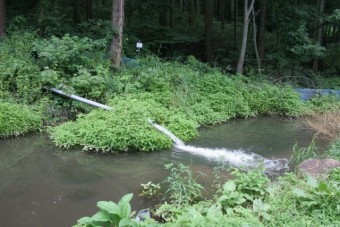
191,12
2,17
235,8
117,25
246,20
261,30
222,13
76,11
321,5
89,13
255,41
171,13
209,10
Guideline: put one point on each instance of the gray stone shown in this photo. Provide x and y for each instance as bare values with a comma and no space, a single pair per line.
317,167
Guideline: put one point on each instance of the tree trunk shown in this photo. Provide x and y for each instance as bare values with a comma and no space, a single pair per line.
2,18
255,42
41,18
321,4
247,12
209,10
262,30
163,14
117,25
232,13
222,13
235,23
197,7
99,8
88,10
76,11
191,12
171,14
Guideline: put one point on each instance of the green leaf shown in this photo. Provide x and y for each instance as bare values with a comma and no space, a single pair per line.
85,221
323,187
125,199
214,211
109,207
258,205
125,210
312,182
100,216
229,186
300,192
125,222
266,216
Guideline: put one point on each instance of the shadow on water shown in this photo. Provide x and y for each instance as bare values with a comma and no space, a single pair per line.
42,185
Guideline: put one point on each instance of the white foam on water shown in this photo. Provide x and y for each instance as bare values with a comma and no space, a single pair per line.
237,158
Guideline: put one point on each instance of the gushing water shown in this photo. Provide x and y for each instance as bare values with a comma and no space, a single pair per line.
175,139
238,158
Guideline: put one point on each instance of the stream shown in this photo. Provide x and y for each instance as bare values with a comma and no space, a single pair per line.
42,185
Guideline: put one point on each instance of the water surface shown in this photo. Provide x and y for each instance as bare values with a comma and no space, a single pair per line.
42,185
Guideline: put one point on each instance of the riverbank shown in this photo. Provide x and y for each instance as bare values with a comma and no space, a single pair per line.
179,96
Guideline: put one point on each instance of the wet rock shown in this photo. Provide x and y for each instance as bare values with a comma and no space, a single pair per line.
317,167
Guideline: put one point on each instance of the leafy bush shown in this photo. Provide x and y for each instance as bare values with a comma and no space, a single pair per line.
18,73
174,95
76,65
247,188
304,202
318,198
249,199
17,119
110,214
334,150
124,129
325,103
328,82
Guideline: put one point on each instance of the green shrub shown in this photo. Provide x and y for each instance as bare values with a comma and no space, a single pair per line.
19,76
334,150
124,129
76,65
175,95
17,119
183,188
304,202
325,103
249,199
328,82
110,214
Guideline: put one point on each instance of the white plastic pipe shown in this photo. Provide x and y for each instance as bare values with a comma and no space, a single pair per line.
87,101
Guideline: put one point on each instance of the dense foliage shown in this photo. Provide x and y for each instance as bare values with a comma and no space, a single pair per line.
249,199
18,72
178,96
18,119
64,44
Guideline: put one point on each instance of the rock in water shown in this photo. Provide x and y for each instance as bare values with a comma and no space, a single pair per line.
317,167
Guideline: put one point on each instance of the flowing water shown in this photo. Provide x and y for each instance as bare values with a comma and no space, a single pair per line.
42,185
237,158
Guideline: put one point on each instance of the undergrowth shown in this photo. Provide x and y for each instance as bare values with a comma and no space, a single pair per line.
249,199
178,96
18,119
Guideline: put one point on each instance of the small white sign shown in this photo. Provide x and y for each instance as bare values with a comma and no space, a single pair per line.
139,45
